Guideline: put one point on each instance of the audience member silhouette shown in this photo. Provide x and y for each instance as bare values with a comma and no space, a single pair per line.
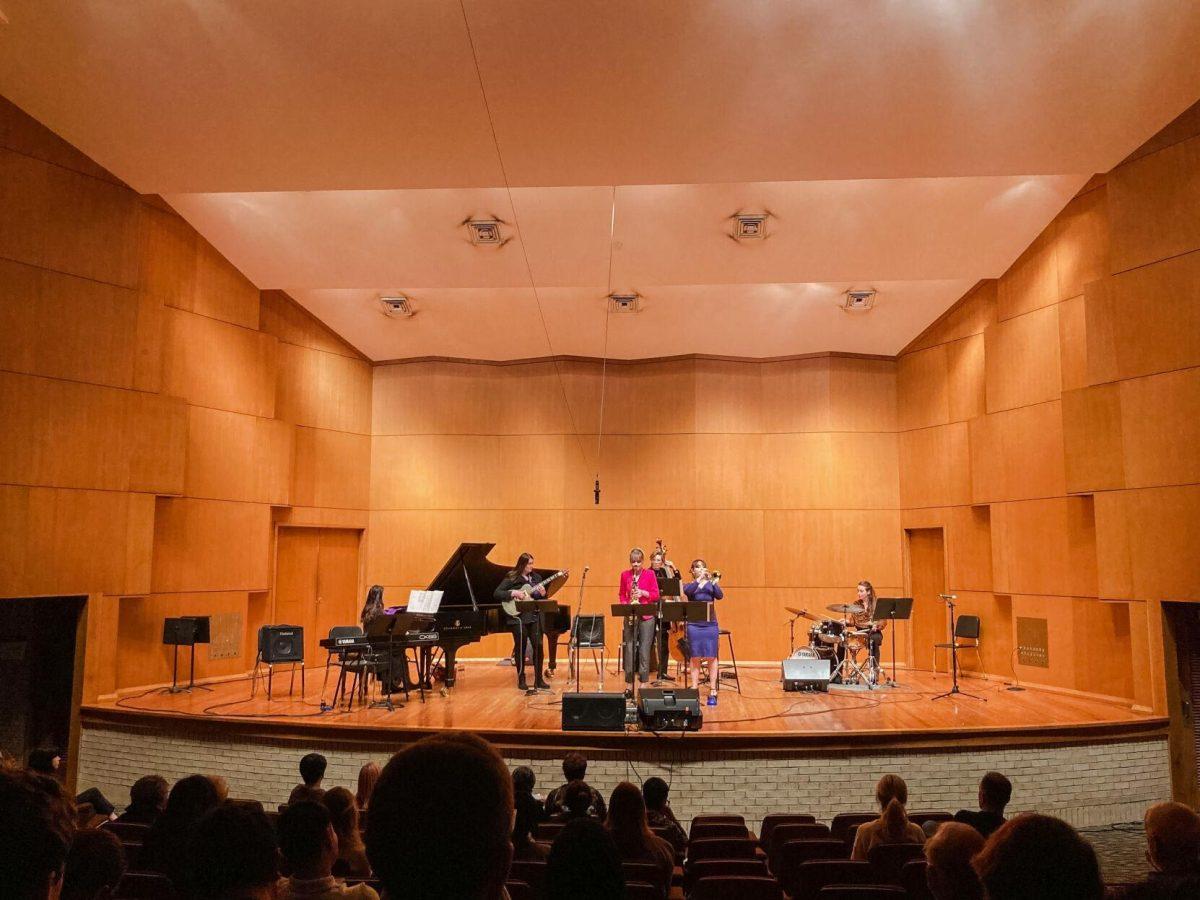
948,854
1035,857
147,800
312,773
95,864
892,826
343,814
1173,851
234,855
367,776
309,845
167,840
584,864
659,814
36,829
440,820
575,769
633,837
994,793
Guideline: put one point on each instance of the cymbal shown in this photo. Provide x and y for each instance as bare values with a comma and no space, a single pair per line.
846,608
794,611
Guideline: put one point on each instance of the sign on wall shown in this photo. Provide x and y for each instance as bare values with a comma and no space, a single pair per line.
1033,642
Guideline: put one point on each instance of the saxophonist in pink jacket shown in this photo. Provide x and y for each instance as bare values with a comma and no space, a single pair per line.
638,585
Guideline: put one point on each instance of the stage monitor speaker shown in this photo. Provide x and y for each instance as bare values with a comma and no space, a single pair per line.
670,709
806,674
593,712
281,643
589,632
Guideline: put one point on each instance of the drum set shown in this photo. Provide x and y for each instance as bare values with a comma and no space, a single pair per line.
844,641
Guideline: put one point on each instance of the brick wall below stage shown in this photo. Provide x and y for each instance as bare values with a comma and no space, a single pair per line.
1096,784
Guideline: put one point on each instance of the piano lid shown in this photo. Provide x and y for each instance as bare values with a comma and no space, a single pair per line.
470,561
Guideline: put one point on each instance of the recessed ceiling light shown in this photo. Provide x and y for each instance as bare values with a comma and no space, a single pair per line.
749,227
397,306
624,303
859,301
485,232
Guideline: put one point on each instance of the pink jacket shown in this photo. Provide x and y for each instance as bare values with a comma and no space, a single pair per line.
647,581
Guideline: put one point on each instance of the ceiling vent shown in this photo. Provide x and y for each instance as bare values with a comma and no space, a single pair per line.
485,232
859,301
749,227
397,306
624,303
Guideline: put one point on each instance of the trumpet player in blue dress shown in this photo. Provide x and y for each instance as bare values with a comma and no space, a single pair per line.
702,636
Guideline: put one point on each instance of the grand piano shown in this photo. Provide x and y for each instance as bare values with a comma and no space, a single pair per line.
468,612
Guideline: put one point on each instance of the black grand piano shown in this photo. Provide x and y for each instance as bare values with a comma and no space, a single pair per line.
468,611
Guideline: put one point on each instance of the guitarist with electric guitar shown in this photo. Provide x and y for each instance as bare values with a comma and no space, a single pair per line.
520,584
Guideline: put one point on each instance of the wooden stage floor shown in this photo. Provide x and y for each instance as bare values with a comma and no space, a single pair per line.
762,717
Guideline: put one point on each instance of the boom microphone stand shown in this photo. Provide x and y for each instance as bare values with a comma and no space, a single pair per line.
573,642
953,648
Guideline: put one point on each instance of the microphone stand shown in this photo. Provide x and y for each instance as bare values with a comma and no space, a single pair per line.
573,643
953,645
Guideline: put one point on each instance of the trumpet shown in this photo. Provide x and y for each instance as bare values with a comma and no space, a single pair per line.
715,575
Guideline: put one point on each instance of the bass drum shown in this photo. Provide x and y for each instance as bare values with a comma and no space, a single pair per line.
806,653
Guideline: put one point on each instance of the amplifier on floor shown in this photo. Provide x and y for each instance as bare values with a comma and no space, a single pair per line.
593,712
670,709
281,643
806,674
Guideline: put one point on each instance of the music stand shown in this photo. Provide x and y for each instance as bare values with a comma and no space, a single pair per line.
540,606
179,631
669,591
380,627
894,609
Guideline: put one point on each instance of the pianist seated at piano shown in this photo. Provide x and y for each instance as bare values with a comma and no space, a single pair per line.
521,584
372,609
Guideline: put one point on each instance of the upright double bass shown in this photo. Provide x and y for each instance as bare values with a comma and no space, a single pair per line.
678,630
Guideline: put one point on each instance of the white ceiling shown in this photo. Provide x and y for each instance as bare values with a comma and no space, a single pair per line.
332,150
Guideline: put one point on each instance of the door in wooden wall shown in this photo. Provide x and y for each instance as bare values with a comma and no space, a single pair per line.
927,570
316,582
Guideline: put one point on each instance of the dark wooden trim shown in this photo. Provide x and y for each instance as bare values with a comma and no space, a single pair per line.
683,357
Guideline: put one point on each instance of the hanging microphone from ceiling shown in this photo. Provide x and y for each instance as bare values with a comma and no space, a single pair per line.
596,491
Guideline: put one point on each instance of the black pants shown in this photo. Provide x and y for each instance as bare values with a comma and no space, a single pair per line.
532,624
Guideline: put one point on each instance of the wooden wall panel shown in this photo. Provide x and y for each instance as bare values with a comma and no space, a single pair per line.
1059,613
71,434
1144,321
1018,454
186,272
27,136
1153,203
828,548
58,219
1021,360
210,545
923,397
970,315
331,469
1045,547
965,378
796,395
211,363
1032,281
1103,625
935,466
143,659
1072,343
1164,531
323,390
1160,429
231,456
283,317
728,397
1082,242
825,471
72,541
1114,565
61,326
1092,439
862,395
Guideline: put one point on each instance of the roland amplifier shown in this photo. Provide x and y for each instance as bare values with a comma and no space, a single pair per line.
806,674
670,709
281,643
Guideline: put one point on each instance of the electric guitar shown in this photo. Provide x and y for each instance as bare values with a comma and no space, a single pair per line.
510,605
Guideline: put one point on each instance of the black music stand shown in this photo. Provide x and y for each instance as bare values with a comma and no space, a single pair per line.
894,609
179,631
669,591
540,606
379,627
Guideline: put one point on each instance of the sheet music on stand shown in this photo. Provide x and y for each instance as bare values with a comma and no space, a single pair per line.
426,602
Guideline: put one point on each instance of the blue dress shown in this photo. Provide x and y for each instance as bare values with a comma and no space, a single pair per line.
702,636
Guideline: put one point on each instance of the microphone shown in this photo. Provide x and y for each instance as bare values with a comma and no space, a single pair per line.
596,491
948,596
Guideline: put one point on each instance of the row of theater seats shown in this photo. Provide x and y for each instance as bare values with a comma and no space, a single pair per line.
795,856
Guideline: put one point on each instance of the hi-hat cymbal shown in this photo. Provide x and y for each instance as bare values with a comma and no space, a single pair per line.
845,608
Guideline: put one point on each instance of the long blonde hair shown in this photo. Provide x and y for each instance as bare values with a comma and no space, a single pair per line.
892,794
